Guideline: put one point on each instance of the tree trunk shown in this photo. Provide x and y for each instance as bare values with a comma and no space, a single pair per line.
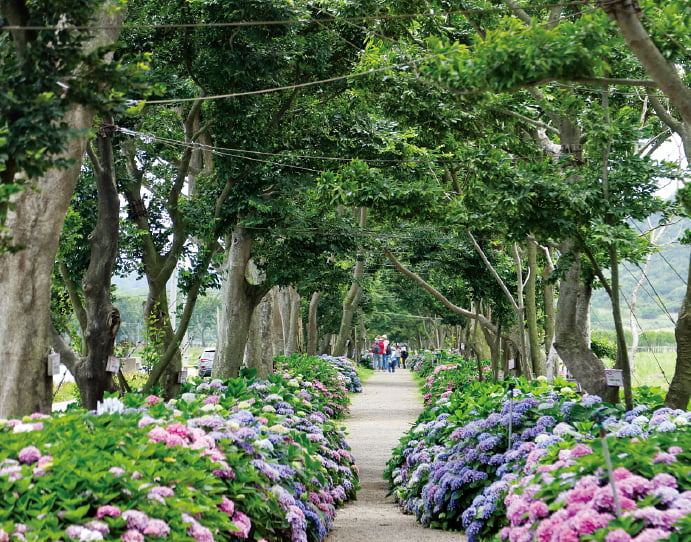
352,300
572,333
537,354
239,299
288,303
278,343
103,319
34,223
293,342
259,352
626,13
680,388
548,296
313,324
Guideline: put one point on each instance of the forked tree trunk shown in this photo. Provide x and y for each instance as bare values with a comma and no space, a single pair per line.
239,299
103,319
572,334
34,223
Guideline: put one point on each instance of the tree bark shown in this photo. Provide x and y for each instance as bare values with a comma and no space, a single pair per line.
34,223
259,353
537,354
572,333
626,14
548,296
680,388
352,299
103,318
239,299
313,324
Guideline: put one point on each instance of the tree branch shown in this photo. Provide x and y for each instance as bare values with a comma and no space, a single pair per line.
437,294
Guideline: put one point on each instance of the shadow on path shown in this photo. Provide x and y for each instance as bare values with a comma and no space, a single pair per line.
379,417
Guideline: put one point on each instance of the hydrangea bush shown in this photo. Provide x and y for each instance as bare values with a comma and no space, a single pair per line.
569,497
242,459
455,466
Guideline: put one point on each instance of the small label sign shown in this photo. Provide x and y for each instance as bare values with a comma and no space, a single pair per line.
614,377
53,364
113,364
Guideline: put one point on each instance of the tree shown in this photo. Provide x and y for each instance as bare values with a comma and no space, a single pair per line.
663,69
44,135
510,52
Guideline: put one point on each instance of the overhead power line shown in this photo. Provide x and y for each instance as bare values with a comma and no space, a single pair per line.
291,87
283,22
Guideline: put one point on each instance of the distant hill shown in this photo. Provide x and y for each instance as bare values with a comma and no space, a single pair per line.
660,297
130,286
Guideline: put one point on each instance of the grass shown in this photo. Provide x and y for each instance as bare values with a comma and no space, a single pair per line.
654,369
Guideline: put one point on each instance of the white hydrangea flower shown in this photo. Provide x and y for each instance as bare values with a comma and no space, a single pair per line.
110,405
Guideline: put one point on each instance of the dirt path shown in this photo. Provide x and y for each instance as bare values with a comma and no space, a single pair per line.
379,416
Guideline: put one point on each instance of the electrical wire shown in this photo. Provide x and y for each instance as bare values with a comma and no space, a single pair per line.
283,22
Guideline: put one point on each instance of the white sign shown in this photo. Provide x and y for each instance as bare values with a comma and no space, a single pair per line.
614,377
113,364
183,375
53,364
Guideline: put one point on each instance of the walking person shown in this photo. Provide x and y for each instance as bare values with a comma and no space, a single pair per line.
386,353
395,356
404,354
377,354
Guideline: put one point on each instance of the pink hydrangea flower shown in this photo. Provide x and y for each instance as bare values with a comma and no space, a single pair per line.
517,511
212,400
664,457
158,434
29,455
175,440
580,450
618,535
227,505
98,526
132,535
117,471
156,527
243,523
675,450
107,510
136,519
200,533
621,473
160,493
587,521
146,420
651,535
664,479
537,510
152,400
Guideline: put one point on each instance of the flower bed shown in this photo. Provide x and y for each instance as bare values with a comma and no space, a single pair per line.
242,459
454,468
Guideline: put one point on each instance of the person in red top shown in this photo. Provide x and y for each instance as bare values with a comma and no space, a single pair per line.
377,349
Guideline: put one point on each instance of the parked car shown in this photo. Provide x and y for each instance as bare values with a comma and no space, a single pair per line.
206,362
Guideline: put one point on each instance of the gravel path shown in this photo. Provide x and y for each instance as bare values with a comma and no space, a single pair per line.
379,416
